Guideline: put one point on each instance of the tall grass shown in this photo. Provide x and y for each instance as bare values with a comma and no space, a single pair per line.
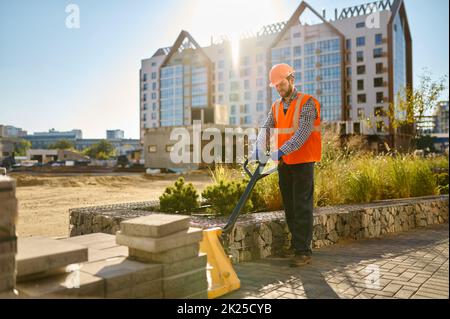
349,175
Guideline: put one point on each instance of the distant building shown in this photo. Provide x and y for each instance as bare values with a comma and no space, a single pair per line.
11,131
121,146
45,156
355,63
115,134
41,140
426,125
441,115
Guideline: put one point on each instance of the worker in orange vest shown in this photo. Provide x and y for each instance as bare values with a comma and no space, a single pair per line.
295,121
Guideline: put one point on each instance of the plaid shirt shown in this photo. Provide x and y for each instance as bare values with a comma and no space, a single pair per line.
306,123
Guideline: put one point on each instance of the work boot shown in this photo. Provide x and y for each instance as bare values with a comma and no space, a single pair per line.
300,260
285,253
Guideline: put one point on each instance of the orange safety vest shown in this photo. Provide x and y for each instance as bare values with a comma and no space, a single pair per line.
287,124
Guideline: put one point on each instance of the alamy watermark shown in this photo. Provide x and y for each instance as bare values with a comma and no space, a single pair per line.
73,17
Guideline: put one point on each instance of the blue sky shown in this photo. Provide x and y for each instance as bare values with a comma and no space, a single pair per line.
87,78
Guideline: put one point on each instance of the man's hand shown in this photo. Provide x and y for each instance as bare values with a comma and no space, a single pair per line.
277,155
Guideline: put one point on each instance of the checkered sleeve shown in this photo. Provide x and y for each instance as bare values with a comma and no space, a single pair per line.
306,122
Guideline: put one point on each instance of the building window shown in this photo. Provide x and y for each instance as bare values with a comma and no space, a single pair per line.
245,72
221,87
349,71
153,116
152,148
145,77
378,82
220,76
259,82
360,85
378,39
379,68
360,56
348,44
259,107
247,95
297,51
246,84
232,120
361,98
153,106
378,53
154,86
169,148
233,109
297,35
309,48
380,127
360,41
234,97
357,128
348,57
153,96
361,69
260,70
260,95
380,97
360,25
145,97
234,86
145,106
360,113
153,75
379,111
221,64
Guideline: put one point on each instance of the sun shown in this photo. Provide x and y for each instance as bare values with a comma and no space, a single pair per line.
231,18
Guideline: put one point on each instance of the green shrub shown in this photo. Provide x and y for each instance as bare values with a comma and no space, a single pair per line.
224,196
442,182
180,198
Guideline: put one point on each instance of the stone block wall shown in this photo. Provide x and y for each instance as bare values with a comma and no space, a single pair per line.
261,235
8,239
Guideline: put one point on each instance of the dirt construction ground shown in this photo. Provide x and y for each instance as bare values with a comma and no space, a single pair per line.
45,200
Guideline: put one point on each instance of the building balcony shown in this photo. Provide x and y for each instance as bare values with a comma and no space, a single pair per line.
318,65
318,78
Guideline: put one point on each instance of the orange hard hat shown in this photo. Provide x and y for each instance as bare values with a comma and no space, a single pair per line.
279,72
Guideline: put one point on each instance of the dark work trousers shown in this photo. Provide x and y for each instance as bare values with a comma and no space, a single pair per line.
297,189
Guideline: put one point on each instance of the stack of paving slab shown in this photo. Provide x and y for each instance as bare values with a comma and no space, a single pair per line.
122,278
48,268
8,239
168,240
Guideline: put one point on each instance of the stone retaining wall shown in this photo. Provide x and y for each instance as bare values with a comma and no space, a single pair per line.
264,234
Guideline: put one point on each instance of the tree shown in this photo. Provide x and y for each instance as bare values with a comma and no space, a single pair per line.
413,104
102,150
409,107
21,148
61,145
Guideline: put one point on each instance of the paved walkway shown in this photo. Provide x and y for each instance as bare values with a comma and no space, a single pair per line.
408,265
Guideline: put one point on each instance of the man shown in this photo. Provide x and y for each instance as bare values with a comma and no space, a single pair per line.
295,119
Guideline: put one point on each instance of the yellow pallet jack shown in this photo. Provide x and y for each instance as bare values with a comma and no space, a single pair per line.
222,278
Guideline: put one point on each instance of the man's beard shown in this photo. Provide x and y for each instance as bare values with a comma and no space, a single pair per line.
288,92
